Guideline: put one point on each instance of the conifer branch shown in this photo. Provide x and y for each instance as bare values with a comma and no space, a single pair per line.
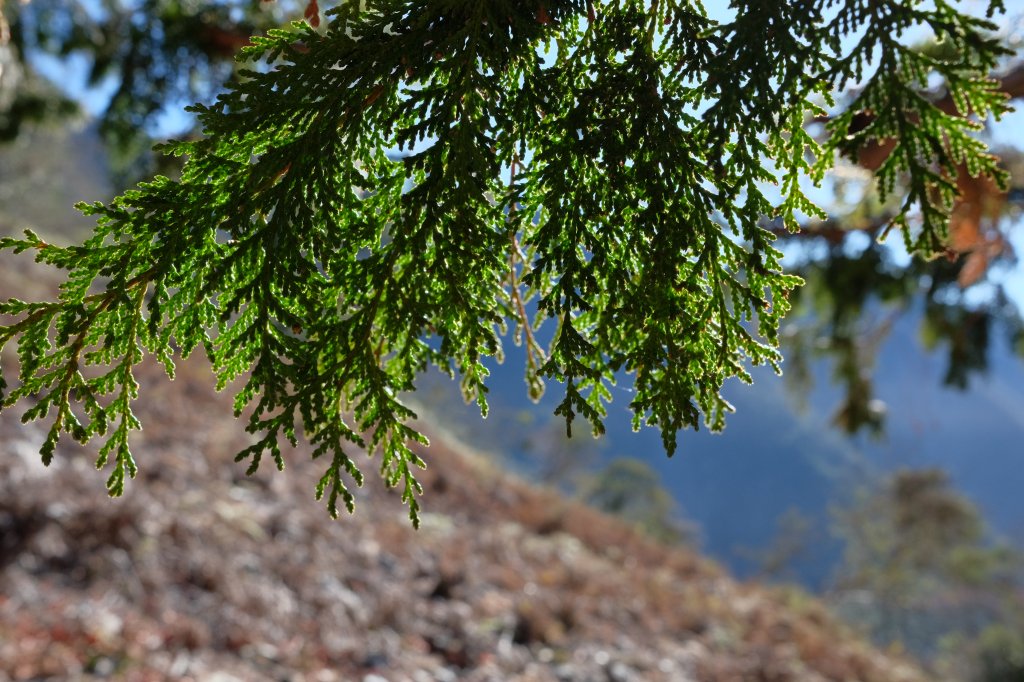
300,252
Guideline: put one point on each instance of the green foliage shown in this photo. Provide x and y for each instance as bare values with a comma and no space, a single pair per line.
918,547
897,111
914,530
1001,655
601,167
630,489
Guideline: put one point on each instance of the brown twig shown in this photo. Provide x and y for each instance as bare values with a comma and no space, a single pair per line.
515,253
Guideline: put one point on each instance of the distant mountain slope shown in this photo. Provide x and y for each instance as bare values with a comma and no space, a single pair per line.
773,457
201,572
44,173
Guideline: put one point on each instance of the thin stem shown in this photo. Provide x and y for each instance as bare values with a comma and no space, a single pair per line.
652,25
515,253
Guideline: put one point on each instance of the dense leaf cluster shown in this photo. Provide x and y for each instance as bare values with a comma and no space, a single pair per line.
397,191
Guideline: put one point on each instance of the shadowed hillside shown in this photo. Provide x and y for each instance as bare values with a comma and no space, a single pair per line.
201,570
44,173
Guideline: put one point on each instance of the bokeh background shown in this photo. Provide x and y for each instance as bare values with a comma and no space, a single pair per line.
875,487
